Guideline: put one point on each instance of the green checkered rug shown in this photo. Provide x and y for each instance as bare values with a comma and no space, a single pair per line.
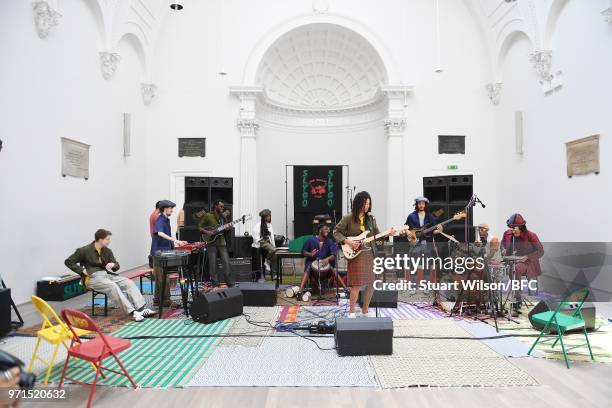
155,362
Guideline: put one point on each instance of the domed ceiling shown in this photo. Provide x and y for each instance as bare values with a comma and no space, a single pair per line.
321,66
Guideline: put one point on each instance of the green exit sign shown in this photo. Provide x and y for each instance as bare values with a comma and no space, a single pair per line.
452,167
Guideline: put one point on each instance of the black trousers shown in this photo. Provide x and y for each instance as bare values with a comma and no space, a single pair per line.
225,274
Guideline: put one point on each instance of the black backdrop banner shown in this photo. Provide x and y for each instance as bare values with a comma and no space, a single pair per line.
317,189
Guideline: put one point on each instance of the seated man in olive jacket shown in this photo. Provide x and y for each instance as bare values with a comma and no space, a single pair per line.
97,266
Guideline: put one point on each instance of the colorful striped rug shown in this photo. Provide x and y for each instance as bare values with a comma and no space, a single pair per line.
156,362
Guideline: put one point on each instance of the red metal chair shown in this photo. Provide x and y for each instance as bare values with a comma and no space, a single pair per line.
95,350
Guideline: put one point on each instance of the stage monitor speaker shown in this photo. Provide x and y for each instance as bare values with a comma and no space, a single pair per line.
258,294
5,311
364,336
380,298
217,305
588,312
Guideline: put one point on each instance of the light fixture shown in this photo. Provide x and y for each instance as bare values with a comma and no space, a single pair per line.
176,6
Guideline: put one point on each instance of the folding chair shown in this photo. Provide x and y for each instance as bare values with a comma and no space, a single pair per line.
53,330
95,350
562,322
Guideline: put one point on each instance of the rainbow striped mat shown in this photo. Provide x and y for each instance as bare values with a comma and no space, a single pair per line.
155,362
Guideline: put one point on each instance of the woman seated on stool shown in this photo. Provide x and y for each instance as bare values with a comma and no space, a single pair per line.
320,252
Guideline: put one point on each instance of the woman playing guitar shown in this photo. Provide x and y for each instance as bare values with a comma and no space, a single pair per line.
360,268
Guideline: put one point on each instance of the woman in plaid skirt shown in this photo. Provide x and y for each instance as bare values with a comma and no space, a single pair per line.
360,269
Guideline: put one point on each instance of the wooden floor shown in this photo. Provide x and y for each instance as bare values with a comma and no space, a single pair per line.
584,385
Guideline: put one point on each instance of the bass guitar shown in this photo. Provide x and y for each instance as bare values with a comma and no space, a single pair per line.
417,234
350,253
219,229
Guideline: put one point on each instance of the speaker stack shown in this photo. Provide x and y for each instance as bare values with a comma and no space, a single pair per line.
449,195
200,194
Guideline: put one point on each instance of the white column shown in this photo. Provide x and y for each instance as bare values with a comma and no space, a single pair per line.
395,127
247,184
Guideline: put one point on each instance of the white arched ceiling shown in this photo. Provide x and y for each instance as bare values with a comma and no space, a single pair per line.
321,66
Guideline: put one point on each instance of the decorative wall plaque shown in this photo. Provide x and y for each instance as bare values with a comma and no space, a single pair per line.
451,144
583,156
192,147
75,158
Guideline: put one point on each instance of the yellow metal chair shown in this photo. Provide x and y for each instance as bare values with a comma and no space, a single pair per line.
53,330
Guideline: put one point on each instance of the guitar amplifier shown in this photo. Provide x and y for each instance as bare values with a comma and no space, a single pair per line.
217,305
258,294
380,298
365,336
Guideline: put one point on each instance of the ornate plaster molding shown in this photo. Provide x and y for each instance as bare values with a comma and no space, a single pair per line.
108,63
607,13
542,63
247,127
45,18
148,91
494,91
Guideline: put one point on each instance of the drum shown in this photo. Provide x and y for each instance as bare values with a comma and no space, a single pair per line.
319,273
292,291
499,273
318,268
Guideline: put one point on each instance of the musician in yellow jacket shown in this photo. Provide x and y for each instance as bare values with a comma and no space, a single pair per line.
360,269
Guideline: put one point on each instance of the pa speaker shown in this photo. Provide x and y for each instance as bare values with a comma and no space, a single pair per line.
217,305
5,311
364,336
258,294
380,298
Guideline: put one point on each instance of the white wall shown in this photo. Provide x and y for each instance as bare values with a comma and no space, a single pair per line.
556,207
194,101
53,88
364,151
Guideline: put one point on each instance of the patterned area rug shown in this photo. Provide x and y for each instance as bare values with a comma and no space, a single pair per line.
257,321
601,339
284,362
436,362
308,314
22,347
155,362
412,311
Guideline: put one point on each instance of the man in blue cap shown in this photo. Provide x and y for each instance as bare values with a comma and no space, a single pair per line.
421,219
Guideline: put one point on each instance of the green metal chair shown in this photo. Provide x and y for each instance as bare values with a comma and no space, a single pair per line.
296,245
562,322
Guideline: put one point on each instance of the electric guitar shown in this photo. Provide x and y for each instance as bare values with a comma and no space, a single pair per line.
219,229
415,235
350,253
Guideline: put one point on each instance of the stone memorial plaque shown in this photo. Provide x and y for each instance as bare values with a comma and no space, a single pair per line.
75,158
192,147
451,144
583,156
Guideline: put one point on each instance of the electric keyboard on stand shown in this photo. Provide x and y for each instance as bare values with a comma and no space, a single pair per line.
172,261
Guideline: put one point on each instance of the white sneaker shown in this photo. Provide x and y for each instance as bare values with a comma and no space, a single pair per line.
138,317
147,312
369,314
351,315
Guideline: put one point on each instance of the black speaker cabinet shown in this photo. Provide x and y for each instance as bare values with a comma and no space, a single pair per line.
5,311
364,336
217,305
380,298
588,312
258,294
242,246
